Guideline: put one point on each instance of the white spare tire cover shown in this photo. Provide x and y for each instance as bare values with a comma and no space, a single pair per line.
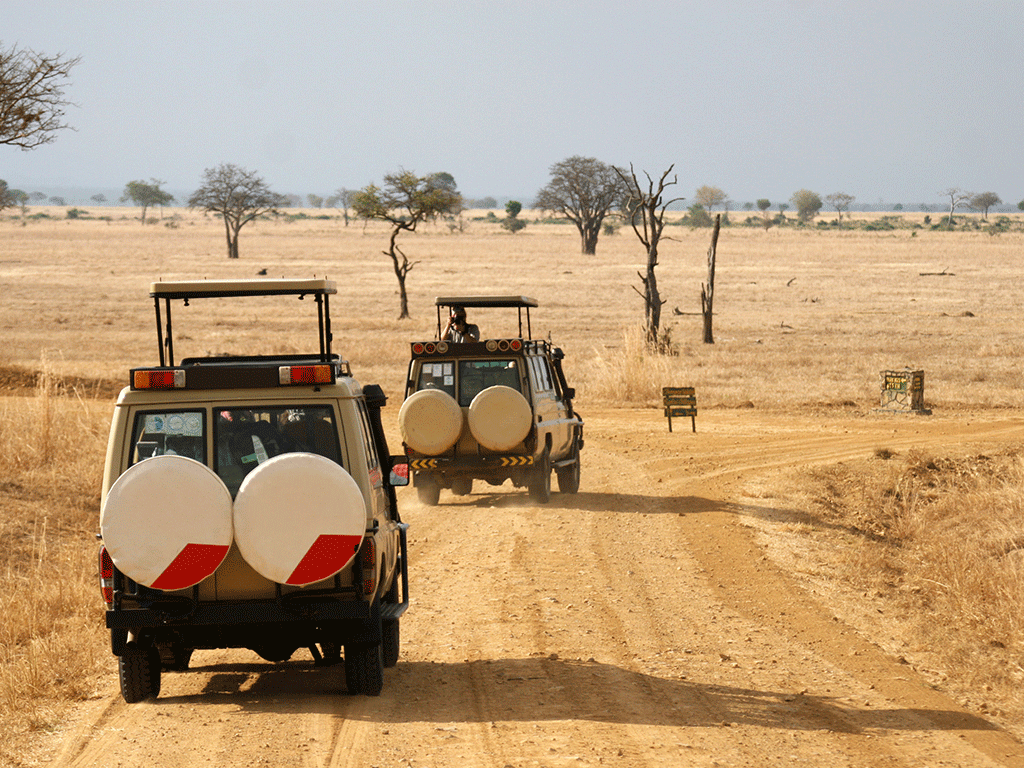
500,418
430,421
299,518
166,522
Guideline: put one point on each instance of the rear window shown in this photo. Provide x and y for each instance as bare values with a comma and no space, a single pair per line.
247,437
477,375
169,433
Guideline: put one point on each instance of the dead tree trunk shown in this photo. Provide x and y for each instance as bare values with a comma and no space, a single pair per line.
647,216
707,292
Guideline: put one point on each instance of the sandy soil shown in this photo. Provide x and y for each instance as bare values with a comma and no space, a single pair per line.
651,620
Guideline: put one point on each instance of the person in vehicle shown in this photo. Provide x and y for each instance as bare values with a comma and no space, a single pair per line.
458,330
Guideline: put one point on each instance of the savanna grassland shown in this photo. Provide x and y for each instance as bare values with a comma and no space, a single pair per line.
805,321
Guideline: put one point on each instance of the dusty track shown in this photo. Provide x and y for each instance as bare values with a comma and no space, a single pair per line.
638,623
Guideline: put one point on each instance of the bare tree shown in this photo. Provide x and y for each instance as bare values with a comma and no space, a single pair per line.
238,195
403,202
342,199
32,98
841,202
583,190
707,291
647,209
957,198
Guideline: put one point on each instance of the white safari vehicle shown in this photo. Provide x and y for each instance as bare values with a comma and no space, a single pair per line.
248,502
493,409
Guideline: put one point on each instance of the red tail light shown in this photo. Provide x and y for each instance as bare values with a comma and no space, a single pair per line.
306,374
368,561
515,345
158,378
106,577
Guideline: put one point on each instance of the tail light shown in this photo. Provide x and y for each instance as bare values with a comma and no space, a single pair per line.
106,577
368,565
306,374
160,378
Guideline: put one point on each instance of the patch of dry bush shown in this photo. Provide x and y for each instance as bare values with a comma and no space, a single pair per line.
941,540
50,650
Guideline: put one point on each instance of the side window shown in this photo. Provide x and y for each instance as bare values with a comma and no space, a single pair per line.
247,437
169,433
541,374
437,376
372,461
545,373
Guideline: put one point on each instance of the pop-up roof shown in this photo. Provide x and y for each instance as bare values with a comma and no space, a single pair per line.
186,290
501,302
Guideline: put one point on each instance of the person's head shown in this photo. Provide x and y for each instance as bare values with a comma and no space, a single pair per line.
458,316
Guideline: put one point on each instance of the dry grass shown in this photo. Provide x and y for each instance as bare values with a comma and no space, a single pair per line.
50,651
804,320
939,542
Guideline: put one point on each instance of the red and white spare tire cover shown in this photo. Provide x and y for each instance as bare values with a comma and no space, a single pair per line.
299,518
166,522
500,418
430,421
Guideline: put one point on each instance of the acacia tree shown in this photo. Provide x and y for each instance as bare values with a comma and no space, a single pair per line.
32,98
583,190
404,201
647,215
807,204
7,196
763,204
238,195
841,202
145,195
709,197
983,201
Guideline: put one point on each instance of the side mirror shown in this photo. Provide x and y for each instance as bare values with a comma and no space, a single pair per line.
399,471
570,393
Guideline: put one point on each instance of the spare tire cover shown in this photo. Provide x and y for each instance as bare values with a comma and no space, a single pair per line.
430,421
299,518
166,522
499,418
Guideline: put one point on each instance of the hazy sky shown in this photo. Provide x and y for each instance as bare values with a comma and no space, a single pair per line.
891,101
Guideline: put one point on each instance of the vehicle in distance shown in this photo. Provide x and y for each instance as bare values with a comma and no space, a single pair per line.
248,502
494,409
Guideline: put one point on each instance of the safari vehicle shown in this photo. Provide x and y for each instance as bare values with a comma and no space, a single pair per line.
248,502
496,409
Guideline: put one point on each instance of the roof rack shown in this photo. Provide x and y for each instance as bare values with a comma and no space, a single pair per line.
501,302
187,290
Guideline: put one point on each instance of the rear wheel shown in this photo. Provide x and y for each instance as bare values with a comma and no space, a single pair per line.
540,481
364,669
569,477
428,491
175,657
390,644
138,670
462,486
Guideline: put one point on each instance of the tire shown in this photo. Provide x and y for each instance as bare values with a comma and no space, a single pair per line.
462,486
569,477
391,643
138,671
428,491
540,481
364,669
175,657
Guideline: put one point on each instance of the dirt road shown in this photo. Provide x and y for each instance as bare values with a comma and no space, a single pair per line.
638,623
